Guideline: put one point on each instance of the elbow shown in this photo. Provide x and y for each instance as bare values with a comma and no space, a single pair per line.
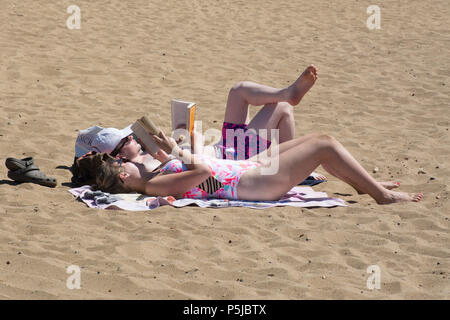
204,171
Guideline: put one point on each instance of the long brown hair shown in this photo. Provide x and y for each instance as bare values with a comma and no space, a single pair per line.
108,179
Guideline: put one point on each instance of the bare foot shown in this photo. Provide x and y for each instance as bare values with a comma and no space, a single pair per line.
386,184
301,86
394,197
318,176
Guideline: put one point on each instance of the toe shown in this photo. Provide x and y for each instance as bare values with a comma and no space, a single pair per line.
418,197
311,68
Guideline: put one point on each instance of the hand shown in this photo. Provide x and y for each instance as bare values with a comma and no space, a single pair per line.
180,139
161,156
166,144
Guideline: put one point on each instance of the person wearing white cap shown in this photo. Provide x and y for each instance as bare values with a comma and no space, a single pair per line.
99,139
118,143
109,138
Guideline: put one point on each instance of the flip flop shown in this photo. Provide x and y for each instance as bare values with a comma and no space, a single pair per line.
310,181
14,164
32,173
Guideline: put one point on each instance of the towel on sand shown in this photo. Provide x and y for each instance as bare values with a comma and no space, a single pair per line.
296,197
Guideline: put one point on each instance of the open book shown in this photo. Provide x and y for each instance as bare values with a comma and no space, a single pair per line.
144,128
183,117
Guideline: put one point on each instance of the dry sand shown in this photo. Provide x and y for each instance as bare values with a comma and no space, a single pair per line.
383,93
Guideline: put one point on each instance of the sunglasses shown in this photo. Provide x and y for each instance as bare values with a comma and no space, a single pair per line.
119,147
120,161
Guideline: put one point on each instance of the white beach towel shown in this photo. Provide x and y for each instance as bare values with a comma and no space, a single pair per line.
296,197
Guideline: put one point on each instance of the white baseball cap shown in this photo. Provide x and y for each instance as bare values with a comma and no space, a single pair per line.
99,139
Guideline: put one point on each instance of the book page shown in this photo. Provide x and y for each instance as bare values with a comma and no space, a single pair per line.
145,137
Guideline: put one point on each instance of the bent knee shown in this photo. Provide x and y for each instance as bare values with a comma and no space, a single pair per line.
325,139
238,86
285,108
322,136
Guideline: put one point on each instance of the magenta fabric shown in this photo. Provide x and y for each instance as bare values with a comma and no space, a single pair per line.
241,149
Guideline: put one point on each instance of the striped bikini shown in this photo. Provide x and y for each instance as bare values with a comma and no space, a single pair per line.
210,185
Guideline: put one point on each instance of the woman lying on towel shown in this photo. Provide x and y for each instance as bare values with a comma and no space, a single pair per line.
276,113
194,176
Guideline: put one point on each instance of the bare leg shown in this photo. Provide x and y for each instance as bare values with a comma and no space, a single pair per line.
298,162
245,93
283,147
279,116
286,145
386,184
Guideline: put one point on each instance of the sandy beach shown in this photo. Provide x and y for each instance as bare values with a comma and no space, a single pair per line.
384,94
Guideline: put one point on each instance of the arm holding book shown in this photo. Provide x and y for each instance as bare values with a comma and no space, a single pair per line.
160,155
170,146
177,184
